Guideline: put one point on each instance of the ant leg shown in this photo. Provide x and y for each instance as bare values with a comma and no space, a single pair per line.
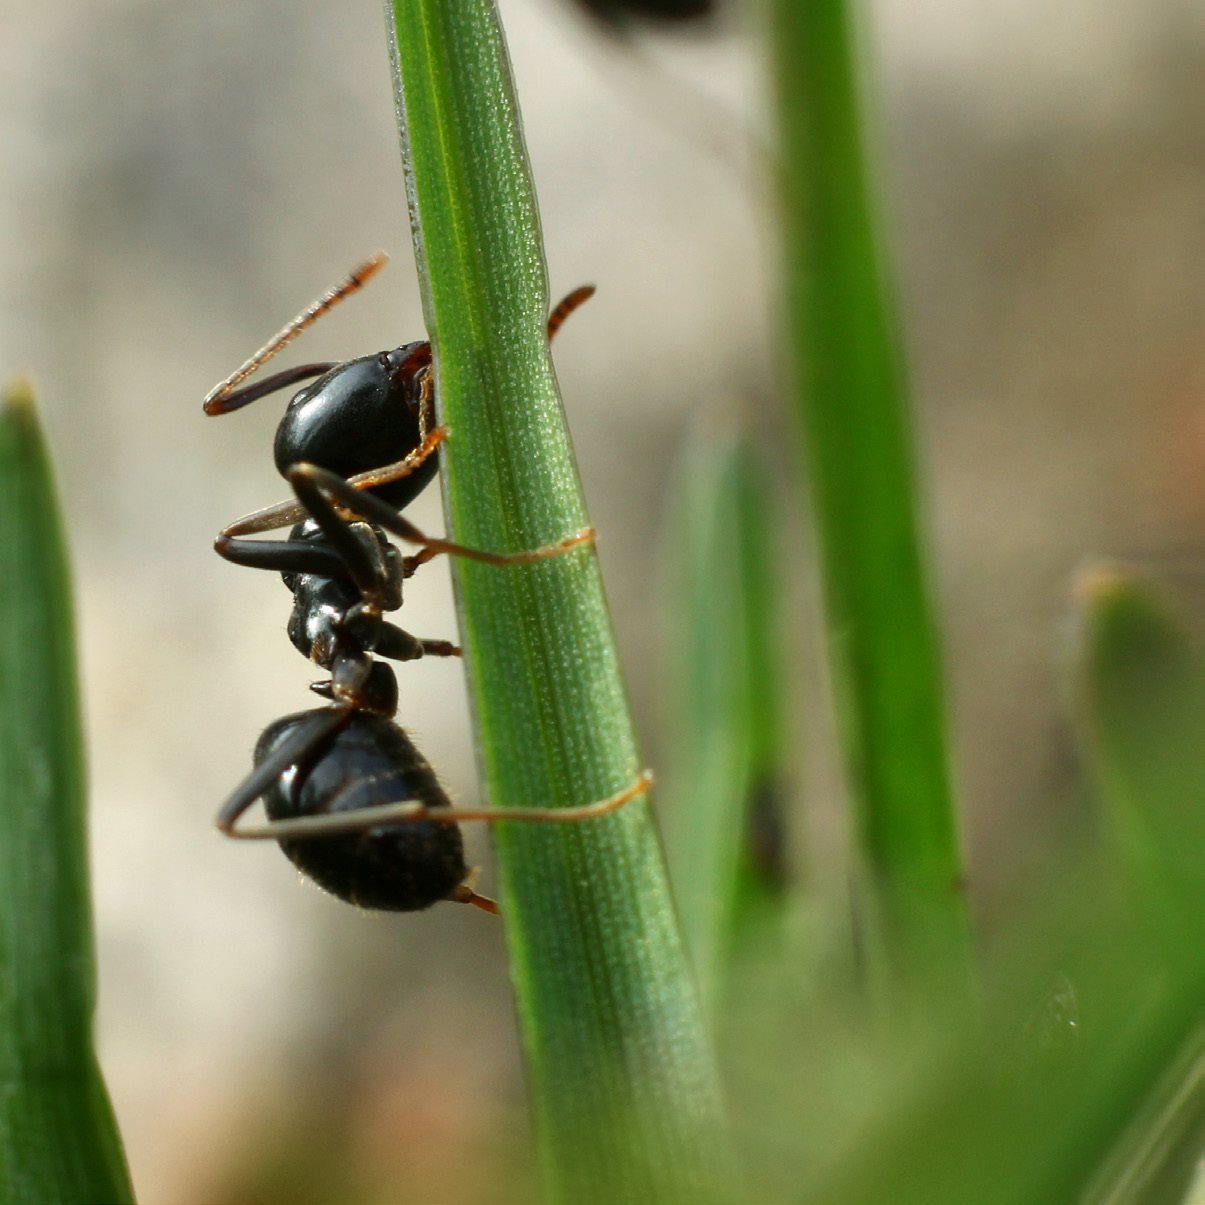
304,741
343,556
283,556
398,645
410,564
389,473
566,306
464,894
283,514
440,648
309,481
366,571
306,827
301,827
355,281
569,815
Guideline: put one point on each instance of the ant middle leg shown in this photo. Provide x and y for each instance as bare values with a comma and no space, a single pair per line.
399,645
566,306
321,559
282,556
312,483
341,555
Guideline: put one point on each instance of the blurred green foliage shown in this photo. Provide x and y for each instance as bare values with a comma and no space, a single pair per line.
58,1139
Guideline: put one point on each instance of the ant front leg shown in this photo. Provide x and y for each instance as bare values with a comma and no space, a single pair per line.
283,514
309,482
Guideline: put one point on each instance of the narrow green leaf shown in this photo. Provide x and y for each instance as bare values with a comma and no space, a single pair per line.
1105,1102
1029,1102
852,404
619,1066
58,1139
1143,691
725,706
1158,1158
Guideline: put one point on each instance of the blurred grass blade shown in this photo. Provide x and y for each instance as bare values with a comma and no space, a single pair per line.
619,1067
852,403
58,1139
1143,692
1030,1102
1159,1156
725,707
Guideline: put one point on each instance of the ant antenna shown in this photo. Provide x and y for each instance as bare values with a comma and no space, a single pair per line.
354,282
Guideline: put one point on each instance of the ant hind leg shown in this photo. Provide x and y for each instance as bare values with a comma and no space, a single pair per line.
299,747
307,827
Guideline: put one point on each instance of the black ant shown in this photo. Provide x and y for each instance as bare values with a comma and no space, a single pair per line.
352,802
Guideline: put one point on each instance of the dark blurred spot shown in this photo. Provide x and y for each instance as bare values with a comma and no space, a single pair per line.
765,839
615,14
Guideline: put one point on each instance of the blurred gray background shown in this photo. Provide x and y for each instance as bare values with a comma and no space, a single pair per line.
180,179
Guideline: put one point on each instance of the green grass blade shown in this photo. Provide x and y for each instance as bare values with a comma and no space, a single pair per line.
725,707
1114,1109
989,1122
852,403
619,1067
763,870
1158,1158
1143,693
58,1139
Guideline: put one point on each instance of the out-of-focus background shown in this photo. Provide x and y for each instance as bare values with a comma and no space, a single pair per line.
180,179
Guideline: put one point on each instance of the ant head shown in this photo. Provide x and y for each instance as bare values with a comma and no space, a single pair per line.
363,415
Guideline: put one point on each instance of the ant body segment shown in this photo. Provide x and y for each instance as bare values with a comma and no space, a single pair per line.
350,799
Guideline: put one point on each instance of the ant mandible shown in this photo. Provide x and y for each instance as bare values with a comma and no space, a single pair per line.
348,796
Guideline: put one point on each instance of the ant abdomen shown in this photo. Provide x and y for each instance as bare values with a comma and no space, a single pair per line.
361,415
368,761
